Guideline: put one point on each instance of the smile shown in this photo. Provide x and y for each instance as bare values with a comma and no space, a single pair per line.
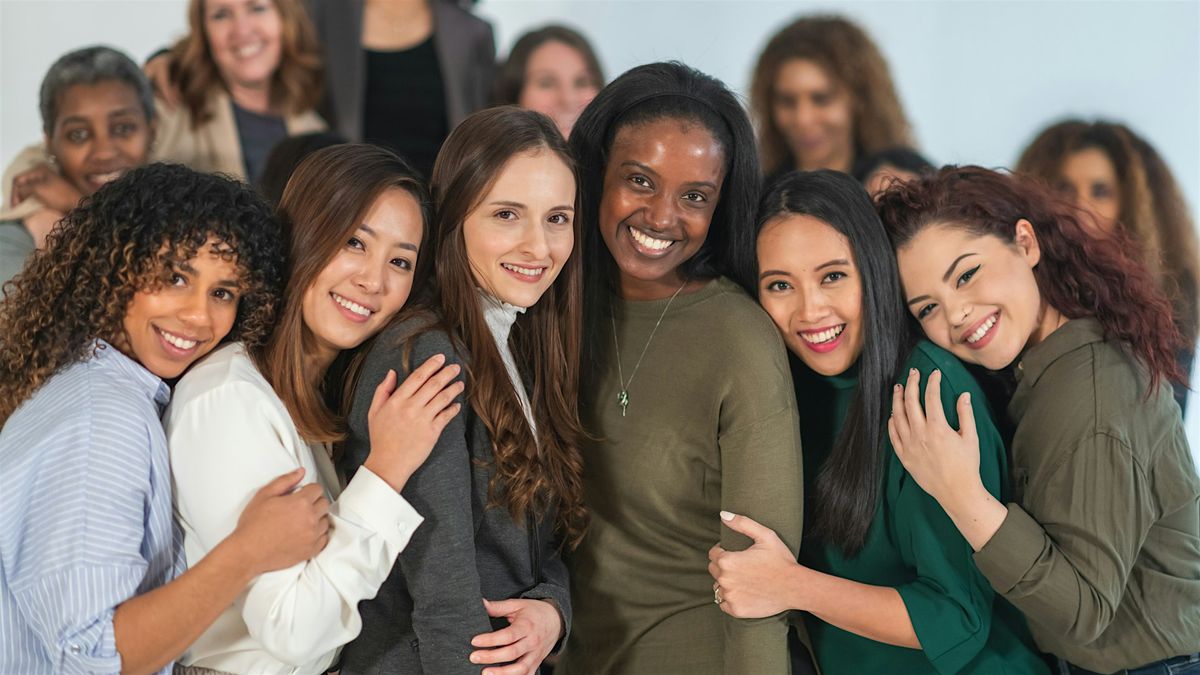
351,305
103,178
824,336
528,273
982,332
249,51
179,342
648,245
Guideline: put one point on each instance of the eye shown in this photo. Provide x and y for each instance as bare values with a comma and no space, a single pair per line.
176,279
1101,191
822,98
924,311
355,243
219,14
559,219
640,181
123,129
506,214
77,135
833,276
402,263
966,276
778,286
696,197
259,7
225,295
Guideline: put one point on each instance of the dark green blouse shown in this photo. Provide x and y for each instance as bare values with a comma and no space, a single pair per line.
913,546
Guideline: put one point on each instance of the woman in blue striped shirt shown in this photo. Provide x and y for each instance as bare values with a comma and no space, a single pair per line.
148,275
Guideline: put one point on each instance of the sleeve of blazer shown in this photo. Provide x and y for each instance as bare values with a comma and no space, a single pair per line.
439,566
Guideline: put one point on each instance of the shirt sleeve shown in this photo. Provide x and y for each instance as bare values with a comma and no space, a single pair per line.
1065,562
82,556
228,442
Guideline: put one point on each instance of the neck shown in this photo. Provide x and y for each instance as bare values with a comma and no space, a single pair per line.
641,290
839,161
319,361
1049,320
253,97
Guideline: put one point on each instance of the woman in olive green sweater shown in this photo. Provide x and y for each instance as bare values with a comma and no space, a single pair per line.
887,582
1099,545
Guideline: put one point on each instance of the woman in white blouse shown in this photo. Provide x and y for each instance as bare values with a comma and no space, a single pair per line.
355,217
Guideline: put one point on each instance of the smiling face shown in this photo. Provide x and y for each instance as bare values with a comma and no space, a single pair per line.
369,279
245,38
521,234
815,115
558,84
976,296
661,187
101,132
1090,180
167,328
811,287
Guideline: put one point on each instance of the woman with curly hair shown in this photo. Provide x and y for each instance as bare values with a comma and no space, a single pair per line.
483,580
822,98
355,218
1100,544
1114,174
146,276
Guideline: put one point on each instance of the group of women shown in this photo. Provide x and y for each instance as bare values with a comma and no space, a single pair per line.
594,388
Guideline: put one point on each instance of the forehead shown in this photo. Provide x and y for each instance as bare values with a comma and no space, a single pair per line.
934,248
532,176
803,74
799,241
99,99
555,55
1090,160
679,144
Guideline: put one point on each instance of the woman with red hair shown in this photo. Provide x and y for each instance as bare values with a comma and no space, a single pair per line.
1100,547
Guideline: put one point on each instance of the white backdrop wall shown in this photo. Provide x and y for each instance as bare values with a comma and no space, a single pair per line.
978,78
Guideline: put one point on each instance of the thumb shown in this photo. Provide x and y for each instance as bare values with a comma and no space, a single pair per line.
281,485
966,418
747,526
499,608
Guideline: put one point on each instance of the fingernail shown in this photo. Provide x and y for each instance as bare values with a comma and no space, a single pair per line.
896,387
912,371
725,515
440,357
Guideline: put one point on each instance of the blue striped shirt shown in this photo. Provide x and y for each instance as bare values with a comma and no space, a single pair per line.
85,514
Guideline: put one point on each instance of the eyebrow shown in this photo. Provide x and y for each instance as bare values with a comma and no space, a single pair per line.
73,119
832,263
773,273
950,270
186,267
400,244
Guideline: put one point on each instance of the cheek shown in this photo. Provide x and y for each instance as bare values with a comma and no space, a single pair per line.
561,245
534,98
779,310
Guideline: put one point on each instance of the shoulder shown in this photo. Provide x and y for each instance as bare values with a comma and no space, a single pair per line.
927,357
455,19
405,344
14,238
227,373
734,314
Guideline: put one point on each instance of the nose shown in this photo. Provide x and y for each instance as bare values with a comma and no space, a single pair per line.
103,146
369,276
660,213
194,312
806,114
958,314
814,305
533,243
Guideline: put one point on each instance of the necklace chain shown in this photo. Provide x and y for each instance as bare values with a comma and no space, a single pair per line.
623,395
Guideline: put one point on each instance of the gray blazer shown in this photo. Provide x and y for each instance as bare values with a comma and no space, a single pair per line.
466,53
431,605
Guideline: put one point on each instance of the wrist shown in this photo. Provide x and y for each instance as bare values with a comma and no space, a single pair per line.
237,557
395,477
797,587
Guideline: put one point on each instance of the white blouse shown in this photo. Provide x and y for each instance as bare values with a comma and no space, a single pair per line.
228,435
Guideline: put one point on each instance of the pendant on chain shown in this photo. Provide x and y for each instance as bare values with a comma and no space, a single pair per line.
623,399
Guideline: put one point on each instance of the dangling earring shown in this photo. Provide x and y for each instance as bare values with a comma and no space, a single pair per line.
53,160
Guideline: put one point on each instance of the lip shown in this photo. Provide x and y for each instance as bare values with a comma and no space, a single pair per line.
173,352
651,253
345,311
986,339
824,347
525,279
110,176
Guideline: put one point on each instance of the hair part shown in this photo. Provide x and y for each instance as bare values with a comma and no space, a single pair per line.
510,80
848,486
1077,274
124,239
848,55
91,66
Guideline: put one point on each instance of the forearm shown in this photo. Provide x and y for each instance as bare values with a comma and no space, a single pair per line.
156,627
976,514
874,612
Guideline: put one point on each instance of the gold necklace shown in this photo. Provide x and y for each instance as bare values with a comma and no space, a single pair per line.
623,396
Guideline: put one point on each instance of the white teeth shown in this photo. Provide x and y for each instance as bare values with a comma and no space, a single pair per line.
826,335
526,271
982,330
352,306
646,241
179,342
249,50
102,178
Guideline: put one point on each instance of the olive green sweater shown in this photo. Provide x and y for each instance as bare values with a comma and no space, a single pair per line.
711,425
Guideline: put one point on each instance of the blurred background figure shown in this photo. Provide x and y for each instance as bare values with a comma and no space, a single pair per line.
286,156
98,120
1121,181
878,170
822,97
553,70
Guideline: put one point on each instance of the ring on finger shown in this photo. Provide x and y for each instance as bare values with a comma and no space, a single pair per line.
717,595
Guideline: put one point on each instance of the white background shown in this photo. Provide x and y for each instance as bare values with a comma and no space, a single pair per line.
978,79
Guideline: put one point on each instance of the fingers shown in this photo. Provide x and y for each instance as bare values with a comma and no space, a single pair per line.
912,403
748,526
899,415
933,400
526,665
445,397
281,485
897,444
420,375
443,418
499,608
382,392
503,654
311,492
497,638
715,552
966,418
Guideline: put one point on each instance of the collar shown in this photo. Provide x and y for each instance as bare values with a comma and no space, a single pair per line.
108,357
1068,337
499,315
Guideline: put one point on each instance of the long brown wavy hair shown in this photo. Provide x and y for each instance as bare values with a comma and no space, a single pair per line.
126,238
530,474
295,87
1153,211
852,60
510,79
322,206
1078,274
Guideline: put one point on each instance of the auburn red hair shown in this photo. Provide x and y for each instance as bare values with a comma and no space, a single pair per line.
1078,274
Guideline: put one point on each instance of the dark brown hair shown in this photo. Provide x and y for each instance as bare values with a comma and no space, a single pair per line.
1152,208
1078,274
322,206
295,86
853,61
530,473
511,78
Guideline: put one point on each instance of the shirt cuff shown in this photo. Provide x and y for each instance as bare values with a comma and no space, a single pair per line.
371,503
1012,551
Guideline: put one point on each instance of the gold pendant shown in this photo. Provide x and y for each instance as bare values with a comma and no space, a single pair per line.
623,399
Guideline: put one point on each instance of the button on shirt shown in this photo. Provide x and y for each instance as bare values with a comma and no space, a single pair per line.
85,514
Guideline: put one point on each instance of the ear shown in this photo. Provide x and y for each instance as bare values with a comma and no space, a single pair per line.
1026,242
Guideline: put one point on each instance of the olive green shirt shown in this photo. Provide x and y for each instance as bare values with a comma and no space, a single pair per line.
711,425
1101,547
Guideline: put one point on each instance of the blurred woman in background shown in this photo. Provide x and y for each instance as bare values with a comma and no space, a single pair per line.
552,70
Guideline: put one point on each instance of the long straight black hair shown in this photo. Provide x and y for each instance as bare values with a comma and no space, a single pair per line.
848,484
649,93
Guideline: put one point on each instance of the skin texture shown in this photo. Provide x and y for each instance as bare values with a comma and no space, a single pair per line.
663,181
815,114
523,224
373,271
245,38
197,305
557,84
809,284
1090,180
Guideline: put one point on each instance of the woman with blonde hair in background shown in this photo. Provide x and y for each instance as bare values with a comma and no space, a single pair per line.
822,97
1116,176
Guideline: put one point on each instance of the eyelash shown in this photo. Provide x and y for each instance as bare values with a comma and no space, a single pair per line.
777,286
967,276
834,276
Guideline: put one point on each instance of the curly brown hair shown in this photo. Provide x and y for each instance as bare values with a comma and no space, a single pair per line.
123,239
295,87
1152,208
851,59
